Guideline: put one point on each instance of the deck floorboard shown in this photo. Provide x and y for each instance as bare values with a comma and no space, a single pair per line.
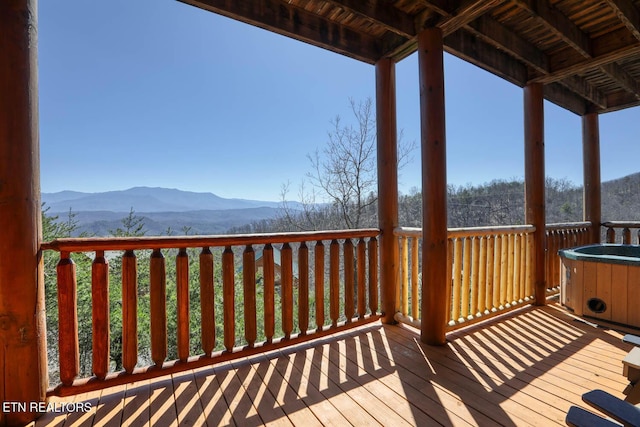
523,369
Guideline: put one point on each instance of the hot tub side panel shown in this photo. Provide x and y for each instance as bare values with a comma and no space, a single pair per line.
633,295
617,286
571,281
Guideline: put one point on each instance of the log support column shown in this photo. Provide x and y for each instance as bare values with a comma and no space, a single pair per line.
534,180
387,184
23,366
592,207
435,289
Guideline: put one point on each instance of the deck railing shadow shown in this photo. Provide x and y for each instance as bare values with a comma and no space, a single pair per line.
505,361
494,373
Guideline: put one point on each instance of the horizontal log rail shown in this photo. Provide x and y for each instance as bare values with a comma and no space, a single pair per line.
177,242
490,272
626,236
562,236
285,305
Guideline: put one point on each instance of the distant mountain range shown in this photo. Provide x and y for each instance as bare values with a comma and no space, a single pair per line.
146,199
161,208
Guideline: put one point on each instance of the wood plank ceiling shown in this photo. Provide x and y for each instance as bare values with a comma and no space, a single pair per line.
585,52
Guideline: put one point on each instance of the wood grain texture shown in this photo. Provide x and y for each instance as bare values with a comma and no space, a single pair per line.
249,295
100,348
526,368
68,346
434,186
207,301
129,311
158,307
23,355
228,297
183,300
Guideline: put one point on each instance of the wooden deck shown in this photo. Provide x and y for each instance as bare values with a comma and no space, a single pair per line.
524,369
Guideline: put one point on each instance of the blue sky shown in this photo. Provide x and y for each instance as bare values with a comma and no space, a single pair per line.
158,93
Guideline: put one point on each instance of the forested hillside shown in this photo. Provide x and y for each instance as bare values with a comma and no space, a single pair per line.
498,202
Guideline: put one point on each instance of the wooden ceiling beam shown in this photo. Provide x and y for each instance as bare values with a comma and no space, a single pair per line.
581,87
620,100
500,37
626,80
565,98
470,48
628,13
441,7
612,47
280,17
467,11
384,14
590,50
557,22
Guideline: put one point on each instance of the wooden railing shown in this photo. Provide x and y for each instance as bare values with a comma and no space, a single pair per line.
490,272
629,232
561,236
340,265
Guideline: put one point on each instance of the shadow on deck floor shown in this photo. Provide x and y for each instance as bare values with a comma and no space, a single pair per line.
525,368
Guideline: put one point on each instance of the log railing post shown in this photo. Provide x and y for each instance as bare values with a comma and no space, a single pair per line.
435,289
23,354
362,277
269,292
158,307
286,287
373,275
100,315
387,159
182,291
592,207
318,259
129,311
249,288
349,289
402,292
207,301
415,294
303,288
68,319
334,282
535,182
228,298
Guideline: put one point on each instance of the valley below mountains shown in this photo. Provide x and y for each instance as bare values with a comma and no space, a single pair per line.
162,210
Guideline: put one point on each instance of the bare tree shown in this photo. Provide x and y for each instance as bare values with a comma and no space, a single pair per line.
340,189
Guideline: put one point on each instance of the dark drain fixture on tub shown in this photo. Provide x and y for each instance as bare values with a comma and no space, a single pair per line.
596,305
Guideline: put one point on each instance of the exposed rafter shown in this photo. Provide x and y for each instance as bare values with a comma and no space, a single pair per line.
500,37
628,14
467,11
519,41
490,31
626,80
581,87
560,95
555,21
281,18
470,48
607,49
621,99
580,42
384,14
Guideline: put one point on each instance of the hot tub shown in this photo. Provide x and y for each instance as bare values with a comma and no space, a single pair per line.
602,281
